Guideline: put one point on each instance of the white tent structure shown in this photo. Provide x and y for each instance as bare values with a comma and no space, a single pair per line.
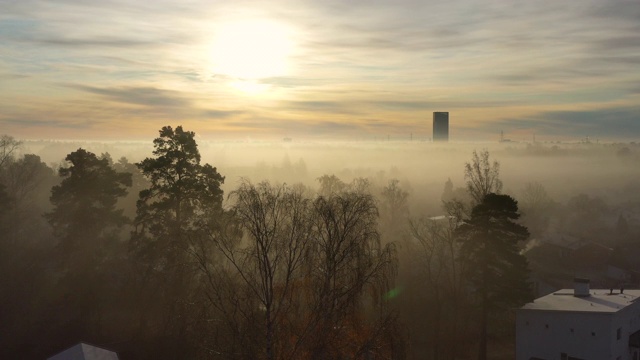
84,351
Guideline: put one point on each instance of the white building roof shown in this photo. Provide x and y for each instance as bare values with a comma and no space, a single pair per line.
84,351
599,301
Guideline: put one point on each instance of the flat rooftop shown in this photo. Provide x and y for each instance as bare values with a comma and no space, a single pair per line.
599,300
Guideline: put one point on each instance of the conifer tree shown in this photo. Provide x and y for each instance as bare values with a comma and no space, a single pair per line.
495,269
182,198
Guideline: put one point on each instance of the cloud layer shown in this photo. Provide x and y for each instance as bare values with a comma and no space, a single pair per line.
360,69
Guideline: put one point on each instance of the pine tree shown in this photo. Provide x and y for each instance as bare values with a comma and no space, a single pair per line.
496,270
171,214
86,223
84,203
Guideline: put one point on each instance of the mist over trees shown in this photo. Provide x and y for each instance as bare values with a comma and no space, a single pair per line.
382,255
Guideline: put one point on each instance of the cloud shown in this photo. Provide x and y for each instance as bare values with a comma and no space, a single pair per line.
608,122
13,76
37,122
326,107
93,42
626,11
145,96
358,66
318,127
618,43
221,114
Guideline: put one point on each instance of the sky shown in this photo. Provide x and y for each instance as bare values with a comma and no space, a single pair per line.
311,69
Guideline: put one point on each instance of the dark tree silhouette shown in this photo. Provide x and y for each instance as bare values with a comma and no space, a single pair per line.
29,181
86,223
184,195
496,270
181,188
8,145
85,202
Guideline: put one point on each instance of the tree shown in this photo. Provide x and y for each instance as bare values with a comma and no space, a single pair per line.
85,202
536,206
395,209
309,274
86,223
330,184
277,229
8,145
348,266
497,271
447,193
182,193
29,181
434,257
482,176
181,188
182,198
138,184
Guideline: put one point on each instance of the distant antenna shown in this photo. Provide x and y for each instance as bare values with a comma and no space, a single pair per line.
501,136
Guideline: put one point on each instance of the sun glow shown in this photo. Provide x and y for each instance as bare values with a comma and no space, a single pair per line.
252,49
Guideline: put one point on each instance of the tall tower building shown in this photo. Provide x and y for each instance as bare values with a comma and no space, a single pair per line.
441,126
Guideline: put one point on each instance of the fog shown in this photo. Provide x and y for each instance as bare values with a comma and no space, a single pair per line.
608,170
108,269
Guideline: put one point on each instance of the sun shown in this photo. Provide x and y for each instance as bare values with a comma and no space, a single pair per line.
252,49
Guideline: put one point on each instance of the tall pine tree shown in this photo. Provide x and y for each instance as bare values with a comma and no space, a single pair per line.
86,223
496,270
183,196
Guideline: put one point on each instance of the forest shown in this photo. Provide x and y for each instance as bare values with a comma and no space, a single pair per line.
186,249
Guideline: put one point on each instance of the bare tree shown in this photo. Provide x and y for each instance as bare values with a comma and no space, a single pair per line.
482,176
310,274
276,227
347,265
330,184
536,205
8,145
435,255
394,206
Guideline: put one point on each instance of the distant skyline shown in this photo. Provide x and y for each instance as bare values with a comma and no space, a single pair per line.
312,69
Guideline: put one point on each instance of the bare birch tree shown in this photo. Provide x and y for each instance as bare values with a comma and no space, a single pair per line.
482,176
276,230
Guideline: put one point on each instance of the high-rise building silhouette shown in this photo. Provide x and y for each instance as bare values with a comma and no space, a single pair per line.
441,126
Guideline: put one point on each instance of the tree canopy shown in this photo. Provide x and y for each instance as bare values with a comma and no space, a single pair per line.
85,202
181,188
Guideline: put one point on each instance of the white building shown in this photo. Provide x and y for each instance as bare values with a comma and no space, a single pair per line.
580,324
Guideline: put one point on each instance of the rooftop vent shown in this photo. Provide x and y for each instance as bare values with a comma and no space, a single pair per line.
580,287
